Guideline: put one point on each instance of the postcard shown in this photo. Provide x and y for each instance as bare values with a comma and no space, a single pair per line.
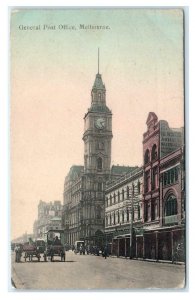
97,149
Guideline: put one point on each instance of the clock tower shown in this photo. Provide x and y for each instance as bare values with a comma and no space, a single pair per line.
97,159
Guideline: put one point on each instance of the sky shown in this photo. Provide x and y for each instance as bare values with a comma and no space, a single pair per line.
52,73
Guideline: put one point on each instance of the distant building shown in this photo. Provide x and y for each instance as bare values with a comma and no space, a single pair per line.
49,217
71,220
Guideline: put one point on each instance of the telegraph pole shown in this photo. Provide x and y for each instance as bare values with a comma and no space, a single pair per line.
133,195
131,230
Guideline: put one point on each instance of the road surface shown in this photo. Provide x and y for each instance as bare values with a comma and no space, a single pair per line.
95,272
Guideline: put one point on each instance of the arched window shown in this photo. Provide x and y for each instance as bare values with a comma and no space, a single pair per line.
154,152
99,186
171,206
99,163
147,157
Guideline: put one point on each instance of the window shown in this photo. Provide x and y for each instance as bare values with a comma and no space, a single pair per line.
99,163
133,215
127,215
114,218
171,206
154,152
138,187
127,192
114,198
138,212
118,217
110,219
133,190
165,178
118,196
123,217
170,176
99,96
146,212
147,181
99,186
176,174
123,195
147,157
153,210
154,178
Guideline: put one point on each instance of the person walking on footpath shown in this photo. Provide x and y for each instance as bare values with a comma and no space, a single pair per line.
105,252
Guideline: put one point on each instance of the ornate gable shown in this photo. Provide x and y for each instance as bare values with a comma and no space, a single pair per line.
152,118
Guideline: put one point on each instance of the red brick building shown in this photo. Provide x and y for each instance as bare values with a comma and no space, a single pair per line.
159,145
164,191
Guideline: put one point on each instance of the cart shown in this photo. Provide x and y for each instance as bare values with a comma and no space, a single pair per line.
30,251
55,245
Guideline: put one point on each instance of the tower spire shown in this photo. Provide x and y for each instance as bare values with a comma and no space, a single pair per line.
98,59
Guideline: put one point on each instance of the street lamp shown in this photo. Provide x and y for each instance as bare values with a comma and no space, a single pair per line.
131,231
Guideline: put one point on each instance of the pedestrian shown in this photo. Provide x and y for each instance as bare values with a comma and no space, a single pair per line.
105,252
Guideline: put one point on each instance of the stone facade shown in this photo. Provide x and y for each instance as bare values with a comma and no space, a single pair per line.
84,193
120,197
49,217
71,220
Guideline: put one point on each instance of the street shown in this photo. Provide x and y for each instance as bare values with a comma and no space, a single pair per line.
95,272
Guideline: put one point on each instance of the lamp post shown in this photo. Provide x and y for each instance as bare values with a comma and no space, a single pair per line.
131,231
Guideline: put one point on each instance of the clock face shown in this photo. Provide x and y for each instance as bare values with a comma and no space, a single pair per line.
100,123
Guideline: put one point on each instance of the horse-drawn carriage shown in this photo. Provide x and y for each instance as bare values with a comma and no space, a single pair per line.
31,250
55,245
